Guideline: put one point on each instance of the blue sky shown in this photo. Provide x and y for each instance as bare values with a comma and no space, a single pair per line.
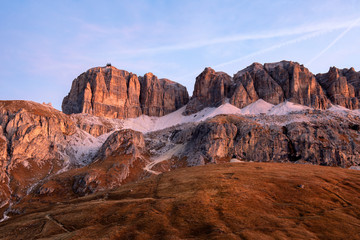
44,45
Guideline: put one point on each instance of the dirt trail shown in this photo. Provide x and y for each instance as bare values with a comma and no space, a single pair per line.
166,156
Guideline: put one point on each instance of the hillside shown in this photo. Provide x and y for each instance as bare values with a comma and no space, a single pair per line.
226,201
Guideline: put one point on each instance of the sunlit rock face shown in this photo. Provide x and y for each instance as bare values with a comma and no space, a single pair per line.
110,92
324,141
211,89
342,86
276,83
32,141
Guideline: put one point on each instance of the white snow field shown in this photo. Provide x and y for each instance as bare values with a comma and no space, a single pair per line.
147,124
84,146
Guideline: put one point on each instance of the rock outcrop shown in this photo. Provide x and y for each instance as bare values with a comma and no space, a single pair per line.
94,125
123,156
211,89
114,93
272,82
298,84
159,97
32,137
342,86
121,159
38,142
325,142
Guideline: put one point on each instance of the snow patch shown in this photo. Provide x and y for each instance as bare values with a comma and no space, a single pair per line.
340,109
234,160
286,108
91,120
355,167
82,147
258,107
356,112
146,124
142,123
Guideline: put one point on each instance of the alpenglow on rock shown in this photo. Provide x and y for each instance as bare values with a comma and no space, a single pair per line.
342,86
276,83
110,92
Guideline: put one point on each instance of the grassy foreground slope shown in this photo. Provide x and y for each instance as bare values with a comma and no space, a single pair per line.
224,201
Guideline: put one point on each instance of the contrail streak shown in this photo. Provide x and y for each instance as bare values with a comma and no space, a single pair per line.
334,41
280,45
274,47
242,37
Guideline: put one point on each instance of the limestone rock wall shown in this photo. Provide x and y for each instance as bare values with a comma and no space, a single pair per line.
326,142
342,86
110,92
275,83
32,137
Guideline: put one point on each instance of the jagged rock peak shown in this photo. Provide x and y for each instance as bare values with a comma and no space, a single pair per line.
110,92
253,67
275,83
342,86
211,89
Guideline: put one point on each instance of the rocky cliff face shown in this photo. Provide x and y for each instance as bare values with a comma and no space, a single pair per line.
323,139
275,83
341,86
308,137
38,142
327,142
114,93
159,97
211,89
32,137
120,159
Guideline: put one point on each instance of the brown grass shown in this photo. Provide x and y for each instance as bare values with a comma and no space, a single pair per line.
225,201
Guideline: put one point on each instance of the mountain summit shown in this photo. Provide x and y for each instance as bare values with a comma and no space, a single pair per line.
117,128
276,83
110,92
113,93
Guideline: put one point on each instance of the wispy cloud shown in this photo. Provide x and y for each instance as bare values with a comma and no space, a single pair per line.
265,50
315,28
274,47
351,26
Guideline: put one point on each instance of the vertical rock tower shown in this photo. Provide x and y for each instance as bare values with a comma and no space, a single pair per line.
110,92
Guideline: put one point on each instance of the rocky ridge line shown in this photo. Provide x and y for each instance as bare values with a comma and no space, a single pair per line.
276,83
113,93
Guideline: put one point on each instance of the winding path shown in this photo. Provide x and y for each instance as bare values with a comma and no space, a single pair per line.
163,157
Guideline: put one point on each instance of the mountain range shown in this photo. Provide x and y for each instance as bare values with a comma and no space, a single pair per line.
118,129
